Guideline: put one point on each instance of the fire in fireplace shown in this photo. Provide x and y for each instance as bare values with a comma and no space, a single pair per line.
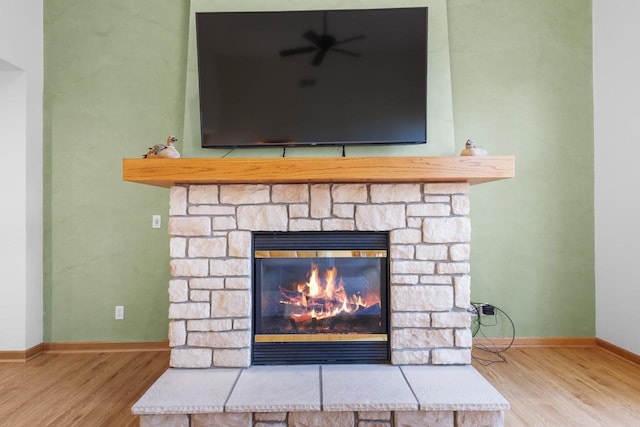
320,297
320,300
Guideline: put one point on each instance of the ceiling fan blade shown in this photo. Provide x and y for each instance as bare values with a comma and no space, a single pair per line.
347,52
321,44
297,50
312,37
317,60
350,39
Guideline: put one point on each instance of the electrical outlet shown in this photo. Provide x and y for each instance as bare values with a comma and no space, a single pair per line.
488,310
156,221
119,312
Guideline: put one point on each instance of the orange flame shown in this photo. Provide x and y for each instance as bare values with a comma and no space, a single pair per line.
327,297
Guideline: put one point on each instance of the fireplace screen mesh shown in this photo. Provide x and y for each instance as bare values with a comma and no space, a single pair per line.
321,295
318,292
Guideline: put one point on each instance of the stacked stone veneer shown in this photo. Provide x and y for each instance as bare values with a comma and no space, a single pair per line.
210,293
333,419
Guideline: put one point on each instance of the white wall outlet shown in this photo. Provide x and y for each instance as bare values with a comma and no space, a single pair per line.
119,312
156,221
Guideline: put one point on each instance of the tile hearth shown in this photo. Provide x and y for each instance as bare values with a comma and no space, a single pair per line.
322,395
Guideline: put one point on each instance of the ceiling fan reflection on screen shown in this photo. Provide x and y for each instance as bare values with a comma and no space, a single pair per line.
321,44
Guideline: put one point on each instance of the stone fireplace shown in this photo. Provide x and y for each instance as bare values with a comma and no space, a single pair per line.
222,211
213,226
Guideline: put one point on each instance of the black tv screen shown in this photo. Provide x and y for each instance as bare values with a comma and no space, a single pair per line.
335,77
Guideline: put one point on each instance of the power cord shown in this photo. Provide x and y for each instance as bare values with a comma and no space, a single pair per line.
487,316
227,153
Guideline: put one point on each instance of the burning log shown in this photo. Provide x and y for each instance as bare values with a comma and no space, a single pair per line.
290,295
373,310
319,304
325,305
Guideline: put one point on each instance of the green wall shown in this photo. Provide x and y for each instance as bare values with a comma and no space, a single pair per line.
114,85
522,85
115,77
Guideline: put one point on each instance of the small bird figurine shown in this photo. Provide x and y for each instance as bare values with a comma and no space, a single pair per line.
161,151
471,149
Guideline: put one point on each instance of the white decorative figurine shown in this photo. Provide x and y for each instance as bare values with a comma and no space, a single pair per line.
161,151
471,149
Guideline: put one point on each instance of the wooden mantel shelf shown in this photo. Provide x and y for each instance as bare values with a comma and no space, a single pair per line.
169,172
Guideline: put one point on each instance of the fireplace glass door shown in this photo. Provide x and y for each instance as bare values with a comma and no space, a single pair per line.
320,297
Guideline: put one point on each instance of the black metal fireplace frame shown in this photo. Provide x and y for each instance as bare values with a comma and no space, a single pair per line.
331,352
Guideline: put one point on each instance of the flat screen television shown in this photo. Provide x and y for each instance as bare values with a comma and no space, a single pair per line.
322,77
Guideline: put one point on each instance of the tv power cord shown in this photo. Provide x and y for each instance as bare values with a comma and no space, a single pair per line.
487,317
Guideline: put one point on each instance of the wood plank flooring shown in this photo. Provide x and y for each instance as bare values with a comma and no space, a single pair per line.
545,386
77,389
558,386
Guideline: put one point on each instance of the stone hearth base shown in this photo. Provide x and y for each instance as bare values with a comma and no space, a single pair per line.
322,395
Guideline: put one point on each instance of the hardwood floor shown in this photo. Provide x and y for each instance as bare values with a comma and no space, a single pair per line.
77,389
558,386
545,386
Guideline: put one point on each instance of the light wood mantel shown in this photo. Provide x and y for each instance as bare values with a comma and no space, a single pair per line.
170,172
